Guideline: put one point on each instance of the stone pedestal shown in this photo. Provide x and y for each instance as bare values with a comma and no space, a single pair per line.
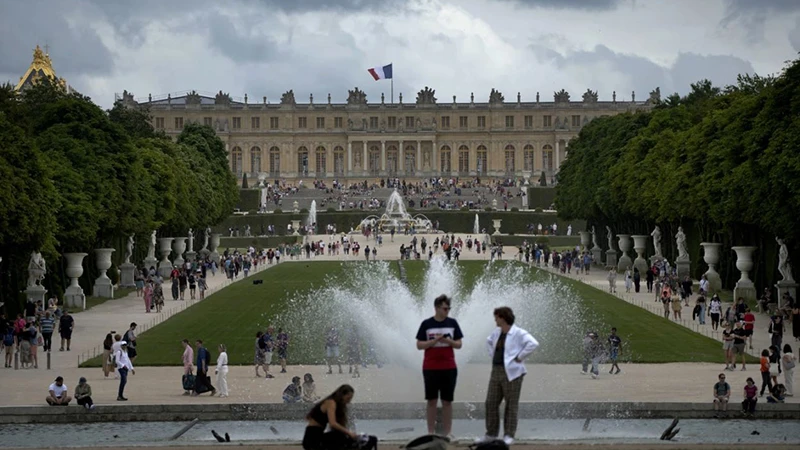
191,256
165,266
625,261
179,246
150,262
586,239
73,295
744,262
296,227
640,246
494,204
597,255
711,257
683,268
103,287
214,244
295,207
784,287
36,293
496,224
126,275
611,258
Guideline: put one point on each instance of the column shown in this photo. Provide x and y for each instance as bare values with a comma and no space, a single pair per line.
434,158
398,164
364,160
558,155
383,156
349,158
418,162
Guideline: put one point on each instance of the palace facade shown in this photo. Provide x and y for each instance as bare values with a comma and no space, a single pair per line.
291,140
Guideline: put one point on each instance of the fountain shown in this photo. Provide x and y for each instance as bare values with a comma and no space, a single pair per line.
312,214
477,227
396,217
385,312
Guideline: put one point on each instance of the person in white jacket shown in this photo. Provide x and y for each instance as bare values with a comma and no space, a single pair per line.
508,346
222,371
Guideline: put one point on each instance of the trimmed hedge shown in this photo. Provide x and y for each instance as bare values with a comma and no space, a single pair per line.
249,199
450,221
257,242
541,197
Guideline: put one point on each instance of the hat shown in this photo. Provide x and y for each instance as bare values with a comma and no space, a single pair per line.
82,380
59,378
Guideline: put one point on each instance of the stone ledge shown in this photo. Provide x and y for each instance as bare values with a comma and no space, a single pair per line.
374,411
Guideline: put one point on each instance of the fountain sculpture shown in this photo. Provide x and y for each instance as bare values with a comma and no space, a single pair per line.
396,218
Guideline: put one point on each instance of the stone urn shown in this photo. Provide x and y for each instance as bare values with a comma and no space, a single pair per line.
744,263
625,261
213,246
640,246
496,224
296,227
711,257
179,247
586,239
165,266
73,295
103,287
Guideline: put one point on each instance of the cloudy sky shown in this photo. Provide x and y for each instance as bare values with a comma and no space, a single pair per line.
265,47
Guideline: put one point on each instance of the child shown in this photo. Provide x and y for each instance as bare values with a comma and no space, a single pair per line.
83,394
293,392
750,398
309,389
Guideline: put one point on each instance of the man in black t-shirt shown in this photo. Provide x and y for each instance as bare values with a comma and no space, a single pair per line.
739,340
65,326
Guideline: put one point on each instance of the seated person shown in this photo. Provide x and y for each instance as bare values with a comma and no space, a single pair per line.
58,393
750,397
722,393
293,392
777,394
83,394
309,389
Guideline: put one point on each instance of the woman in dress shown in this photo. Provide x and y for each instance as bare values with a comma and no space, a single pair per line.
628,280
788,361
108,367
148,296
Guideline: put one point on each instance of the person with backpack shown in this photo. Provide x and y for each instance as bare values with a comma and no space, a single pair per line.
508,346
202,383
438,336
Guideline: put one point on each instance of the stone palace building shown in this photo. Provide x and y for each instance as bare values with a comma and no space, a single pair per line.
358,140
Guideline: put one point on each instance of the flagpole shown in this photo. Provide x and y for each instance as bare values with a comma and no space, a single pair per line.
392,88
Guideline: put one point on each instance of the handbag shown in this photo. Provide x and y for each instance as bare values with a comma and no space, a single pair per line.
789,365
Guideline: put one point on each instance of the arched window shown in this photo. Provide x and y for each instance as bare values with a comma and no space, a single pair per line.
391,160
483,160
463,160
444,155
302,161
410,160
274,161
236,161
547,158
320,159
374,160
255,160
528,158
510,159
338,160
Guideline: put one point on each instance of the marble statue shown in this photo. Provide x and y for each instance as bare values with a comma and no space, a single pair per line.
129,249
191,240
594,238
680,240
657,240
784,266
610,237
151,250
206,236
36,269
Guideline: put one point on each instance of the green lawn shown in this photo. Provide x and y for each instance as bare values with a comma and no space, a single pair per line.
556,310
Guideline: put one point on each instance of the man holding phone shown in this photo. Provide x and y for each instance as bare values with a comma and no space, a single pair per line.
438,336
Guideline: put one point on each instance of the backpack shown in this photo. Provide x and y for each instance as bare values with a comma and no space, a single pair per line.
8,339
262,344
428,442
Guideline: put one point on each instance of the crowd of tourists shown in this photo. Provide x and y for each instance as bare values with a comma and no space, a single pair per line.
24,335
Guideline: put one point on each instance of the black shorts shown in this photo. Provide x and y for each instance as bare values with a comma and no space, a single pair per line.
440,384
748,333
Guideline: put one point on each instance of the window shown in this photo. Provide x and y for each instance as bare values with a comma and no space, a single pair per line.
547,121
444,155
409,122
302,161
321,167
445,121
510,159
237,123
236,161
528,158
159,123
255,123
547,158
392,122
179,123
391,160
255,160
528,121
302,122
482,160
481,121
273,123
320,122
463,159
274,161
373,123
576,121
207,121
338,158
337,122
463,122
374,160
509,121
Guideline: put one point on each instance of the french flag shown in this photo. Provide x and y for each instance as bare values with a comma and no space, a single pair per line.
381,73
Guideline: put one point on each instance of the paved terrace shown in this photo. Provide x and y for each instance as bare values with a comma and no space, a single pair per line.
681,382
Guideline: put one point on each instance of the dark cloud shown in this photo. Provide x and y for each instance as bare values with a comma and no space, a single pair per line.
753,14
593,5
229,40
646,74
74,50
